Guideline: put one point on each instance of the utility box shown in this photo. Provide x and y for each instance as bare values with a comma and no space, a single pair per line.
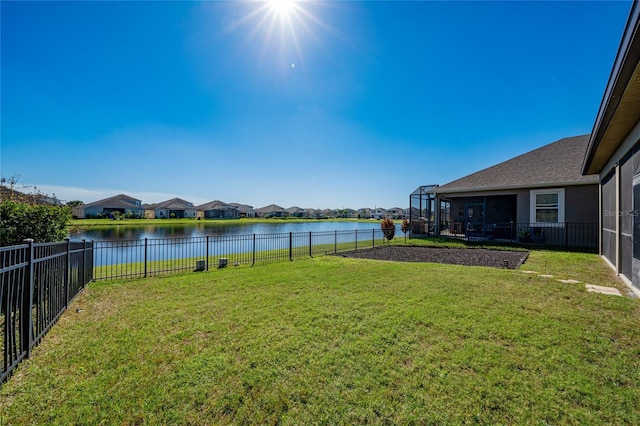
200,265
222,262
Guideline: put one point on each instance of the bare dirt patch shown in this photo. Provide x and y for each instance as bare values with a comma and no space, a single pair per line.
455,256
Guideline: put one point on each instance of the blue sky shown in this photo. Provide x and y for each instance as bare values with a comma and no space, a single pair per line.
329,105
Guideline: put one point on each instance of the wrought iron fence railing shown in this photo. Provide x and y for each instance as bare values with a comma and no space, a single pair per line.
147,257
38,283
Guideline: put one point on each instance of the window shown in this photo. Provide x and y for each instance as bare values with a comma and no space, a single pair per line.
547,206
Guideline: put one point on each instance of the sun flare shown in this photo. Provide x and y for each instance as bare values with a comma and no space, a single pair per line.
282,8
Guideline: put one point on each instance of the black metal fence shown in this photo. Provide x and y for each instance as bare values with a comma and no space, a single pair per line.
38,282
147,257
583,236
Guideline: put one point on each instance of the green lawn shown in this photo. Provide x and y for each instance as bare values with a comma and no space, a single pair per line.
334,340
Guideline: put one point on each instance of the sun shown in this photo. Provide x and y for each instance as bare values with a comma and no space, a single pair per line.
282,8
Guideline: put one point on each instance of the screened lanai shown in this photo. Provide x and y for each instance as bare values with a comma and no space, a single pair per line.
422,211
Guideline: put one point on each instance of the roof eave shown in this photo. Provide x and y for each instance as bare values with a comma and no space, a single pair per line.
441,191
621,73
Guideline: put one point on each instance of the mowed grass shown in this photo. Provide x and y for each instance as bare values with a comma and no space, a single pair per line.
334,340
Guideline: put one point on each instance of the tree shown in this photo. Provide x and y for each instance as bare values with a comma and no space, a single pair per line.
75,203
30,215
43,223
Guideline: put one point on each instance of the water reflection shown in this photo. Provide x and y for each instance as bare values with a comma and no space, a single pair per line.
203,229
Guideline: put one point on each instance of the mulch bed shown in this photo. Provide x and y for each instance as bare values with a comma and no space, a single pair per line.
469,256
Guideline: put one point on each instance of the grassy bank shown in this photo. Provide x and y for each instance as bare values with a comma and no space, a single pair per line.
340,341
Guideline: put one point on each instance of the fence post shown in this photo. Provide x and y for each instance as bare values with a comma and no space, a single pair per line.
146,246
253,258
373,238
291,246
335,241
566,234
356,240
94,255
83,267
310,251
207,254
26,326
67,274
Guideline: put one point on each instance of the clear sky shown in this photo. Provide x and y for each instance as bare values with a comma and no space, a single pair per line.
324,105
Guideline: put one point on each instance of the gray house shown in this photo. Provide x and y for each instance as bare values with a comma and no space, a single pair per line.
244,209
613,153
121,203
272,210
541,189
295,212
218,210
174,208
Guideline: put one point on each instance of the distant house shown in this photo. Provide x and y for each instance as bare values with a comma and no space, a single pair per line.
272,210
350,213
123,204
365,213
244,210
174,208
295,212
541,188
312,213
613,153
379,213
218,210
395,213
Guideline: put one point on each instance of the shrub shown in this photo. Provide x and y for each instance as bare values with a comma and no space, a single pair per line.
405,226
388,228
43,223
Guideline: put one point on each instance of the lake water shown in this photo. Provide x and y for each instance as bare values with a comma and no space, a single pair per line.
139,245
203,229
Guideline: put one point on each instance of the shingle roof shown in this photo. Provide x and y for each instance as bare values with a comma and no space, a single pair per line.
294,209
242,208
270,208
558,163
173,204
117,201
214,205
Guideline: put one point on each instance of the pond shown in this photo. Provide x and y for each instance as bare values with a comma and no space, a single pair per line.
204,228
146,245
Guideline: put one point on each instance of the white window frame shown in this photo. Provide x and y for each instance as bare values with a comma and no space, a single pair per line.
532,204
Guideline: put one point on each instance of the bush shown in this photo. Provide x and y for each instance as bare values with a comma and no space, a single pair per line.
388,228
405,226
43,223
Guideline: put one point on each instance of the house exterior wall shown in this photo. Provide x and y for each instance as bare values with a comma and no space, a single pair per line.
162,213
616,210
93,211
581,204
